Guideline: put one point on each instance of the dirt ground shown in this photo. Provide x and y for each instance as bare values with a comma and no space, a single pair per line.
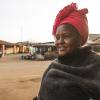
20,79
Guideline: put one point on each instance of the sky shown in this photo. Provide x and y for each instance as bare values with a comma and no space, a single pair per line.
32,20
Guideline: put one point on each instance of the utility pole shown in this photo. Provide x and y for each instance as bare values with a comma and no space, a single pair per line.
22,46
21,30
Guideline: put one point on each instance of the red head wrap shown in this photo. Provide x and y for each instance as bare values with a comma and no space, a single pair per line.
71,15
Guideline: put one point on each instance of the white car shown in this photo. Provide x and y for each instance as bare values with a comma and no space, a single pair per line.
1,54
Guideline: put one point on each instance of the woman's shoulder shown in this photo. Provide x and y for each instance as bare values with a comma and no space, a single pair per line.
49,67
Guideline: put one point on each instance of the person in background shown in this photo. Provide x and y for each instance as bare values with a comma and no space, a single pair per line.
75,73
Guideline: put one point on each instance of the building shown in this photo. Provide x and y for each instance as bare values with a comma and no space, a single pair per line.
94,41
10,48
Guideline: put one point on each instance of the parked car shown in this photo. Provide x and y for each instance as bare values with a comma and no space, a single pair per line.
1,54
28,56
36,56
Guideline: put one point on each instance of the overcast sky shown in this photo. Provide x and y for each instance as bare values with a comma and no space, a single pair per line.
32,20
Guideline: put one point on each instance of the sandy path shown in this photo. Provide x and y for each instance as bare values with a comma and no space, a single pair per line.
20,79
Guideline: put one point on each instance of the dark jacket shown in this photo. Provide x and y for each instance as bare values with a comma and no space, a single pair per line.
72,77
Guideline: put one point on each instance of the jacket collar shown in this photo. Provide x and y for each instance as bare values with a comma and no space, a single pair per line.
79,54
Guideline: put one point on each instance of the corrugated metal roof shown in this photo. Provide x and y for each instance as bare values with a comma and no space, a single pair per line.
6,43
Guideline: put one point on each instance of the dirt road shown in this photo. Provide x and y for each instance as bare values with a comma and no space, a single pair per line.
20,79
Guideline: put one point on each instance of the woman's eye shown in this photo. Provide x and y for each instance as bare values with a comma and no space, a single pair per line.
57,37
66,36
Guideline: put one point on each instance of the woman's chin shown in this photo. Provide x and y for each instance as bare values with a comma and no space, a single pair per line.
64,53
61,54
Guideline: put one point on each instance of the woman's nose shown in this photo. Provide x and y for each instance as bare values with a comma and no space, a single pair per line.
61,40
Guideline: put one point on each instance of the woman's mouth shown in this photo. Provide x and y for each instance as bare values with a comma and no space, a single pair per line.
61,48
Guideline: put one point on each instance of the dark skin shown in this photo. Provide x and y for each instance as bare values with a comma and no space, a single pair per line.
67,39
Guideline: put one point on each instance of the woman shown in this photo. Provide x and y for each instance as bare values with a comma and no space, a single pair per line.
75,74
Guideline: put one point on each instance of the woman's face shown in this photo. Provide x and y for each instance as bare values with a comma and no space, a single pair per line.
67,40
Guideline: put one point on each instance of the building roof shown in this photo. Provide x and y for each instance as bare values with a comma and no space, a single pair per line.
97,41
93,37
43,44
6,43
